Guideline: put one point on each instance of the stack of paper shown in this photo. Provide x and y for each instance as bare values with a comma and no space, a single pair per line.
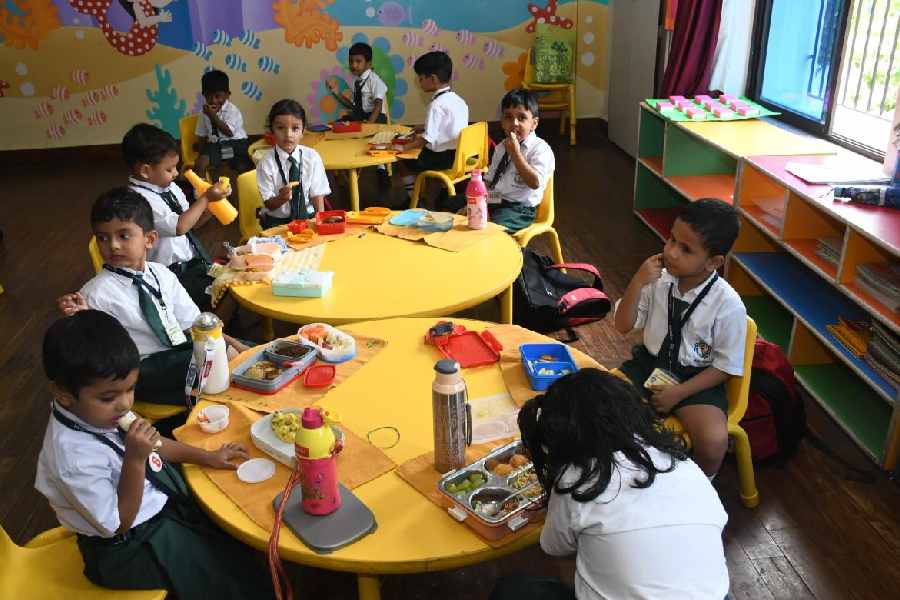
883,353
882,281
829,249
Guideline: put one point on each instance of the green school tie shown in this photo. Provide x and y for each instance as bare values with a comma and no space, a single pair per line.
148,308
298,210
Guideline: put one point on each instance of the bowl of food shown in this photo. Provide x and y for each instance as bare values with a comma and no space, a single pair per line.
333,345
288,352
433,222
213,418
330,222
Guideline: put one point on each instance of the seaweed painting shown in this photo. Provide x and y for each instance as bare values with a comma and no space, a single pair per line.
169,108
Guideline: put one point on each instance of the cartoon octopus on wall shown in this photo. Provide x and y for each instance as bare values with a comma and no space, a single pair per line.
141,37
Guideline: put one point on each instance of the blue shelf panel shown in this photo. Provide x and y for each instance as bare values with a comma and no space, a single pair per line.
814,300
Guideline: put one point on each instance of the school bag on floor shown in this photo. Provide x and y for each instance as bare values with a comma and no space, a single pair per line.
545,299
775,420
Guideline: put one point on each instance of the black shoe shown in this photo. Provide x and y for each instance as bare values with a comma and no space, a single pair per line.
384,180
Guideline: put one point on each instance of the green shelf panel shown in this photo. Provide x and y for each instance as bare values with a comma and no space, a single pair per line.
854,404
651,192
688,155
773,321
651,135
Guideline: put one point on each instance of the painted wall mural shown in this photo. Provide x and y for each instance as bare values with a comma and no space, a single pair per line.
80,72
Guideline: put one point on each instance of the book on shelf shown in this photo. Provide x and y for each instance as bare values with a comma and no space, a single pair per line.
881,281
883,353
829,249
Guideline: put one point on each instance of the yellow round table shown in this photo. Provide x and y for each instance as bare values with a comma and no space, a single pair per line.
414,535
344,152
379,277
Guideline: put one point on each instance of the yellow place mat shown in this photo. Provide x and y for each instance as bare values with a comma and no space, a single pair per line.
358,463
420,473
517,383
295,394
457,239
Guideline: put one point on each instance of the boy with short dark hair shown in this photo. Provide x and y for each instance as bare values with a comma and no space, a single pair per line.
369,91
520,168
138,526
152,158
694,326
446,115
145,297
220,128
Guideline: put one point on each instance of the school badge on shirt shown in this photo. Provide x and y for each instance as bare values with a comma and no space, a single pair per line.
155,462
702,349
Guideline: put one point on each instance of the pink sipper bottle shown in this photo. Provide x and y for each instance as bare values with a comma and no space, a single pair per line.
316,449
476,201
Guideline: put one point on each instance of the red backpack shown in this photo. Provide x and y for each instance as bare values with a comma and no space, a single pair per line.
775,420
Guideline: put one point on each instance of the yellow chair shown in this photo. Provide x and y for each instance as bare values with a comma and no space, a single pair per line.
737,389
148,410
543,223
562,98
50,566
260,144
187,128
248,201
471,153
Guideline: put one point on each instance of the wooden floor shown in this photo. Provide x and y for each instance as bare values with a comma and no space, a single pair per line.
827,526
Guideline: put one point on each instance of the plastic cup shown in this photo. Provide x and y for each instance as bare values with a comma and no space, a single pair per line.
213,419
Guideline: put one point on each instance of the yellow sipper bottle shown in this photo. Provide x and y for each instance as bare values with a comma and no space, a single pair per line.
222,209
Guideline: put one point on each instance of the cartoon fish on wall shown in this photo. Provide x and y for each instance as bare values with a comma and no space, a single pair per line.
92,98
412,39
251,90
493,48
55,132
60,92
80,76
233,61
43,110
392,14
220,37
202,50
473,61
430,27
465,37
249,39
268,64
436,47
71,117
98,117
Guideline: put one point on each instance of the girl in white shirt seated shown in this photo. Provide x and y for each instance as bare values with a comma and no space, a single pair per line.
640,516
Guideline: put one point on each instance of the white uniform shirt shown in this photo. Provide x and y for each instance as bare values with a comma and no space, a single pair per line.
664,541
79,475
510,186
118,296
312,177
170,247
231,116
373,88
447,115
713,336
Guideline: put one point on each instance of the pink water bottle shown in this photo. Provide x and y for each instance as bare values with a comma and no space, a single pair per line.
316,450
476,201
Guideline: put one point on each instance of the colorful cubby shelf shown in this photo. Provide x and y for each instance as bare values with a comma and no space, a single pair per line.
791,292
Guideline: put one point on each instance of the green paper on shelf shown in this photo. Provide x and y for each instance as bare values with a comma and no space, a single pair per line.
677,115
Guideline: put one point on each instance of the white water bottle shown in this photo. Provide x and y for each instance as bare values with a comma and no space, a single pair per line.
210,354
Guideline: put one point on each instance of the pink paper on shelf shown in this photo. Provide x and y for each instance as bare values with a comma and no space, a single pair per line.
684,105
665,106
710,104
747,111
722,111
695,113
726,98
700,99
676,99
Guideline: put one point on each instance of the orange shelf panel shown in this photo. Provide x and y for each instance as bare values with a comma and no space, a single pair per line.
654,163
694,187
807,249
868,300
757,213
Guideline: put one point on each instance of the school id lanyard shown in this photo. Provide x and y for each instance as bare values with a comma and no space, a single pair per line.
676,324
139,278
149,474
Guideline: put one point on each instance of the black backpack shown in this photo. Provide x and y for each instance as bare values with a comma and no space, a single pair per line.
546,299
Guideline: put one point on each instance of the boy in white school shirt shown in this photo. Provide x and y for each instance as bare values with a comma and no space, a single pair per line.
138,527
678,296
369,91
220,127
446,116
145,297
520,168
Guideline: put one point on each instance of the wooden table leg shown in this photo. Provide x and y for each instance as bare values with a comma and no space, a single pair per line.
506,306
369,587
268,331
354,189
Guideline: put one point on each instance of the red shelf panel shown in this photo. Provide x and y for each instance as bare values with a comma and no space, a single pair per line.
660,220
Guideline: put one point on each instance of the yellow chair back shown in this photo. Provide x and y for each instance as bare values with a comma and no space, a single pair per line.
546,212
187,128
94,253
472,150
52,567
737,389
248,201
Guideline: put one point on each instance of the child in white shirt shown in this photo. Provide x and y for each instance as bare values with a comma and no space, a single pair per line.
369,91
220,127
291,178
641,518
520,168
138,526
145,297
694,326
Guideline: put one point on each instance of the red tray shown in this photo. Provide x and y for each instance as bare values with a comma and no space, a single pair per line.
470,348
331,228
346,127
